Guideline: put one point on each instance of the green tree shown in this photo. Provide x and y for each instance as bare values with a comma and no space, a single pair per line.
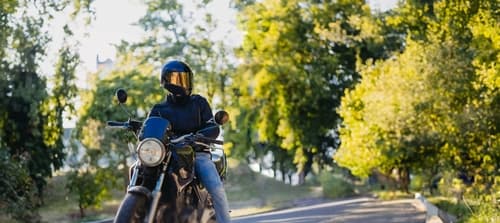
99,106
303,55
430,109
385,127
177,34
174,34
91,186
18,198
29,131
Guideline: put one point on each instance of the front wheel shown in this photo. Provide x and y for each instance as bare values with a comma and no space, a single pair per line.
132,209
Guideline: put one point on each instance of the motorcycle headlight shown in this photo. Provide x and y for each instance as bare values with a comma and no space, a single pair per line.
151,151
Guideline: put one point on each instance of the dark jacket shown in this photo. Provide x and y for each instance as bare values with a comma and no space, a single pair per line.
188,116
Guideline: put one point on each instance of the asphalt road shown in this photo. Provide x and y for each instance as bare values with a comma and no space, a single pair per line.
354,210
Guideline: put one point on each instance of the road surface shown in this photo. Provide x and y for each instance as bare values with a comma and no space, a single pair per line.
354,210
351,210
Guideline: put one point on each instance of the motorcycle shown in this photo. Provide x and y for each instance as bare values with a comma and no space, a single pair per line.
163,186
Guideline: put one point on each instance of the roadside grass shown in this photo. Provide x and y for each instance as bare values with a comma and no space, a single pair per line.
392,195
59,205
450,205
250,193
471,210
334,185
62,207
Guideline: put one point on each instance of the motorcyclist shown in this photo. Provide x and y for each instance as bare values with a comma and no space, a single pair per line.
189,113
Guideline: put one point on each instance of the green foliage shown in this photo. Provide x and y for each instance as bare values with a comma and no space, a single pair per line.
243,187
419,86
107,153
430,108
418,183
486,212
458,210
394,126
335,186
298,58
31,115
388,195
18,197
92,186
174,34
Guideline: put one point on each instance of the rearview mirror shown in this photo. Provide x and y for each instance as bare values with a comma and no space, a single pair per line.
121,95
221,117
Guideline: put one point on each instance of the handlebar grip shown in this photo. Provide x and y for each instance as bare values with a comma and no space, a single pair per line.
210,140
115,124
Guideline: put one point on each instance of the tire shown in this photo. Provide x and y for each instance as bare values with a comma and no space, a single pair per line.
132,209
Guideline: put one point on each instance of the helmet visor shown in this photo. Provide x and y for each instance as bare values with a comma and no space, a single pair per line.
181,79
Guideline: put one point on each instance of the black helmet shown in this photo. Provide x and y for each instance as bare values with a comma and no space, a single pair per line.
177,78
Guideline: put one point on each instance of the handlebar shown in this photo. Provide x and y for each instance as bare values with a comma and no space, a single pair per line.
209,140
197,139
136,125
128,125
120,125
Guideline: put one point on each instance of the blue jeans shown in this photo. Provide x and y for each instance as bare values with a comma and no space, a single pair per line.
211,180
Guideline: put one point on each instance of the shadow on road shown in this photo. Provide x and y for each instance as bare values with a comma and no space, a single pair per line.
354,210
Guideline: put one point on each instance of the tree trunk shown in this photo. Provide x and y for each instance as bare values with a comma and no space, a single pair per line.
283,177
302,177
404,179
82,211
308,165
275,168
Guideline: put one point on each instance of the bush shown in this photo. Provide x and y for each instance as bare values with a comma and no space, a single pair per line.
485,209
335,186
417,183
387,195
485,213
92,187
17,193
451,206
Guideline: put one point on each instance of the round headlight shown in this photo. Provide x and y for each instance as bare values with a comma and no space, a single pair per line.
151,151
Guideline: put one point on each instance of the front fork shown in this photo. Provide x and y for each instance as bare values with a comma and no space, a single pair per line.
156,193
134,172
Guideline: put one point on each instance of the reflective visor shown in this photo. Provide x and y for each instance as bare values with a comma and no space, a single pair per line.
181,79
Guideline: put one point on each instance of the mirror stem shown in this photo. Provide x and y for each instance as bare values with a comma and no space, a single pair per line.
126,111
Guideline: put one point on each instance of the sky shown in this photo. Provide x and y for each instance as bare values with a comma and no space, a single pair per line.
113,22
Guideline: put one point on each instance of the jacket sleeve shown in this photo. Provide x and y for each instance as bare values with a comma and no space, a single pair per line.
207,119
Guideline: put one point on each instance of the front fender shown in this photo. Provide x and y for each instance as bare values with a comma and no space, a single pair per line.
140,190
